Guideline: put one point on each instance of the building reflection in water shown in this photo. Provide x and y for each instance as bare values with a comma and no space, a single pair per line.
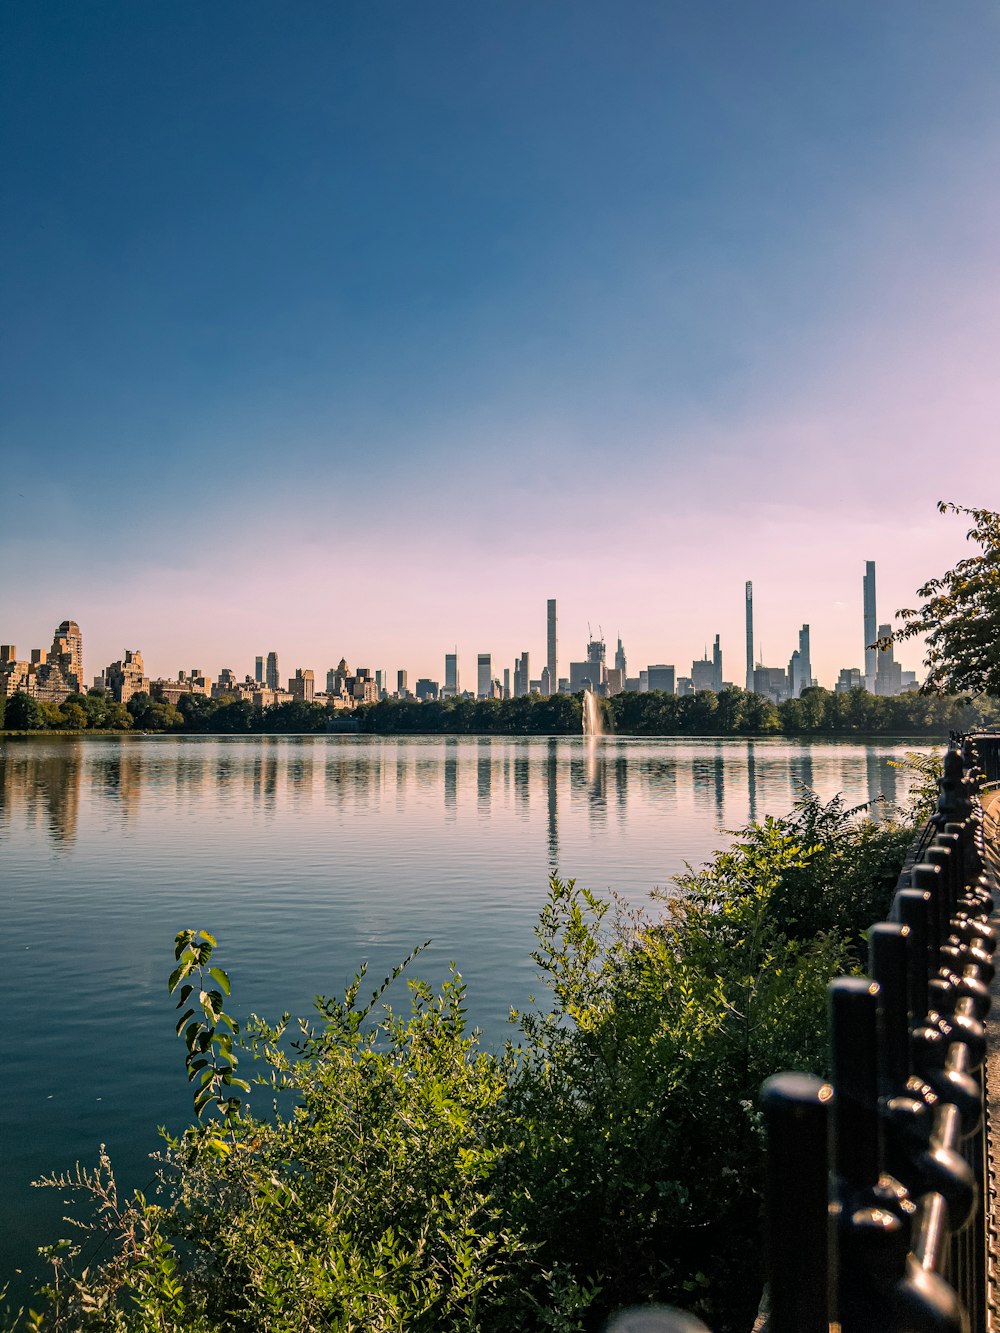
47,784
719,778
41,787
301,771
552,803
451,778
751,782
883,786
484,777
522,780
119,774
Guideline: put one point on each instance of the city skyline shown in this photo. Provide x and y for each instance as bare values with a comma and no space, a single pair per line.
629,310
495,678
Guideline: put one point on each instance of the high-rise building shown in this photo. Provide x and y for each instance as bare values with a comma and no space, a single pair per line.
702,674
451,674
716,665
593,673
67,651
522,676
888,673
302,685
484,676
551,645
660,677
849,679
402,683
271,672
258,670
800,666
749,597
620,661
771,682
795,674
805,656
50,676
871,623
127,677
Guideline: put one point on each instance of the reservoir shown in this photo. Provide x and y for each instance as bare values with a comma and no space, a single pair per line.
307,856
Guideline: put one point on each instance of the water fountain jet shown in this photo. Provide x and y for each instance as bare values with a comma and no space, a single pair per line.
593,722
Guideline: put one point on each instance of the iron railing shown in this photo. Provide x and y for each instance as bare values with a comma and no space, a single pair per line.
876,1180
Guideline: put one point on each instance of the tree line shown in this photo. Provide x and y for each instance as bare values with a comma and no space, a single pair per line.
731,712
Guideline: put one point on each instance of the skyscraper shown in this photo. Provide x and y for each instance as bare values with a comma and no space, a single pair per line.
716,665
67,650
451,674
552,647
805,658
271,673
871,627
258,670
484,682
620,660
402,683
749,595
889,673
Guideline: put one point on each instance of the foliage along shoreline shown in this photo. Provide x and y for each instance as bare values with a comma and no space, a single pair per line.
732,712
375,1169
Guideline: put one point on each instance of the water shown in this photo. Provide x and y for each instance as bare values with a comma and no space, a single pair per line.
306,856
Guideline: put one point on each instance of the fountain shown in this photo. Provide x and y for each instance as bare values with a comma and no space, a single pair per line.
593,722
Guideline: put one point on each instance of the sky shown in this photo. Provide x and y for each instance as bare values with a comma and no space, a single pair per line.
362,329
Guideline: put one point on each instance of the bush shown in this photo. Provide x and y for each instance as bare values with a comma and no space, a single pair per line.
401,1177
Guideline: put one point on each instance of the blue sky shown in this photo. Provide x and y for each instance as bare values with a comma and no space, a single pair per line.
364,328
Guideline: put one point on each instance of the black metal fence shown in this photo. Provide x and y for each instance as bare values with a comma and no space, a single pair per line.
876,1184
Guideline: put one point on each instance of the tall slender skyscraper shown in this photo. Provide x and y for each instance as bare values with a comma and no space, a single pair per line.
552,647
451,674
716,665
871,627
805,657
271,673
258,670
749,595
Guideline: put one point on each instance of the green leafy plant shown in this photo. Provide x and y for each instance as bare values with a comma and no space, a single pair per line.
403,1177
208,1031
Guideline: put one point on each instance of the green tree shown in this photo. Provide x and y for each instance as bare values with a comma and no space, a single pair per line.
74,715
24,713
149,715
960,615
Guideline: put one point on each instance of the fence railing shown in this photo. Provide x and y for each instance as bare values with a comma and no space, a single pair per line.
876,1180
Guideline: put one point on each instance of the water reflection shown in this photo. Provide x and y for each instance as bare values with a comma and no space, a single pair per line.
45,783
552,803
42,789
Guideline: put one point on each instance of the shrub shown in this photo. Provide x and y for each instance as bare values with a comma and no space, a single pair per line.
402,1177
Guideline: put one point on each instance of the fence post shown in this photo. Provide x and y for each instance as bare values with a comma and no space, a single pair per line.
800,1247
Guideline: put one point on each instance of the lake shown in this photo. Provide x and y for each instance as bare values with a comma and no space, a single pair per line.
307,856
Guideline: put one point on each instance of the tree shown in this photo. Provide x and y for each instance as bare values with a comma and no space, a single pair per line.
24,713
960,617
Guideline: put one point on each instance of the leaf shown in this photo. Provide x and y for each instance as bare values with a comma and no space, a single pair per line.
222,978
